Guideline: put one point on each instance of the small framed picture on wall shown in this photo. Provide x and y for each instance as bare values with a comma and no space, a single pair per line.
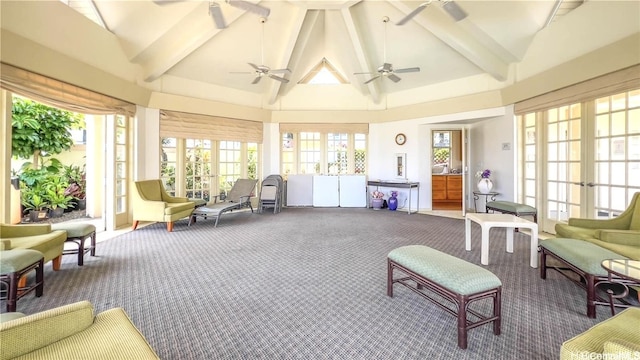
401,165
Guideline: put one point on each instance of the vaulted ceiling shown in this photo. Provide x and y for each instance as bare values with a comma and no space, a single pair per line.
180,39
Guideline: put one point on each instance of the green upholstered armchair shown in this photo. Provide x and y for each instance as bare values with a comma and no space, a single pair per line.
72,331
152,203
36,237
620,234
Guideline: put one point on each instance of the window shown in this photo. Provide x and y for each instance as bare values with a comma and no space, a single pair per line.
360,156
168,164
335,153
337,145
288,155
190,167
309,153
229,169
441,150
198,169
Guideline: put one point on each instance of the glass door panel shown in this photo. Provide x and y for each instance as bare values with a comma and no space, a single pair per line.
229,165
117,171
617,153
564,167
198,169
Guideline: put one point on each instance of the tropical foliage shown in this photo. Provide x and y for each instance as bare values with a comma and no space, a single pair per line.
38,129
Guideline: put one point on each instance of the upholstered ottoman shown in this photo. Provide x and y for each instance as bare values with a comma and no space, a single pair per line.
508,207
454,279
16,263
77,233
582,258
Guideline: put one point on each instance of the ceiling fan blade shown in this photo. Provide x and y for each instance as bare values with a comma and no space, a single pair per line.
256,80
412,14
393,78
407,70
250,7
216,14
454,10
280,71
363,73
386,67
281,79
255,66
370,80
242,72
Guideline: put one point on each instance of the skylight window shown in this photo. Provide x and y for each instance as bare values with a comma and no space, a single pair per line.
86,8
323,74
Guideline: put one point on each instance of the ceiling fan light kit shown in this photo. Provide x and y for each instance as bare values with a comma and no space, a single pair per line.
262,70
386,69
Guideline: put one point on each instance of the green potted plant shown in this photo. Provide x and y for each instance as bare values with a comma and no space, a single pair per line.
58,201
34,203
76,176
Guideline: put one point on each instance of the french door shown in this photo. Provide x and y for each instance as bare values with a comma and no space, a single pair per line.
581,160
117,172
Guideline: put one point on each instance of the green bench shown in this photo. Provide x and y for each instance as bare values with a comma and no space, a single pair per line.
582,258
454,279
508,207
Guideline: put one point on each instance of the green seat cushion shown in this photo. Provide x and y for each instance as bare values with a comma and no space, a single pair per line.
584,255
575,232
75,230
621,328
455,274
175,208
512,207
15,260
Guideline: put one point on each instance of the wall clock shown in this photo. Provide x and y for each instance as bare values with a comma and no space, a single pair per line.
401,139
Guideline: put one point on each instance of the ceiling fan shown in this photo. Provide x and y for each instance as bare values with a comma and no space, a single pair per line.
262,70
454,10
216,12
386,69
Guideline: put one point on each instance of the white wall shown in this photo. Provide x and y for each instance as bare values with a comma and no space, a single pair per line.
486,127
271,149
486,152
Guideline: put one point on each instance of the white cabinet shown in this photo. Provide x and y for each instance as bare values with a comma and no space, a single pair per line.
353,191
326,191
299,190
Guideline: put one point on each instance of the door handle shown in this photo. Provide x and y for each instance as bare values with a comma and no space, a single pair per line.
590,184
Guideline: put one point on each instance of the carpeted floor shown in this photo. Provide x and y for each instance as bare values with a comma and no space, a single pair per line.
310,283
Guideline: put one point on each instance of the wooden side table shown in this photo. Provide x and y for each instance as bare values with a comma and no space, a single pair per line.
623,273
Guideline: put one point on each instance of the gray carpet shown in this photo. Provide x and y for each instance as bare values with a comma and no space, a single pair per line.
310,283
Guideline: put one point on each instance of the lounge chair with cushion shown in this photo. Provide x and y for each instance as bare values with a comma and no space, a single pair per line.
151,202
239,197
